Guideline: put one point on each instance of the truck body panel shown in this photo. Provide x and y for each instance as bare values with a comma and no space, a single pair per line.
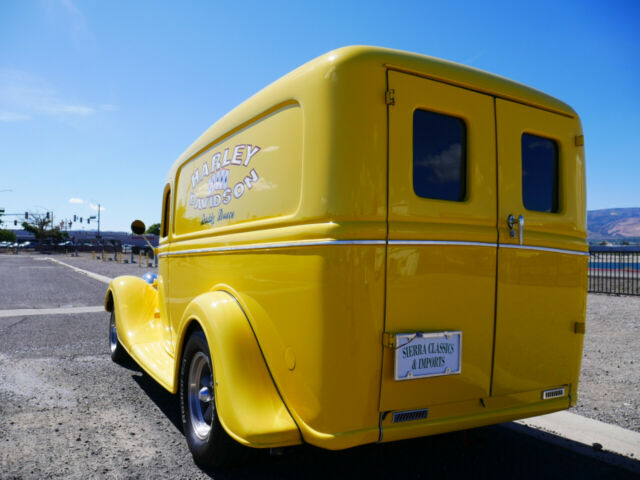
363,204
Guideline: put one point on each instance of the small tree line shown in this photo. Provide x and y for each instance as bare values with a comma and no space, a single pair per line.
40,225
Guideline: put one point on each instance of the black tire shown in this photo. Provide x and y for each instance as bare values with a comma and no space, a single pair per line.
118,353
208,442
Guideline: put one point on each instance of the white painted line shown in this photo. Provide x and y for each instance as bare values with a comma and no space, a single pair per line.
22,312
95,276
588,432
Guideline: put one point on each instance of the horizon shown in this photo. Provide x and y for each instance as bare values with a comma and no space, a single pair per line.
593,235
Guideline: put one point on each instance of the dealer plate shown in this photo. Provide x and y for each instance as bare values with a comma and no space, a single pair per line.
420,355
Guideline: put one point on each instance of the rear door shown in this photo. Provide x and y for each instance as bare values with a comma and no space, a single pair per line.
441,262
542,264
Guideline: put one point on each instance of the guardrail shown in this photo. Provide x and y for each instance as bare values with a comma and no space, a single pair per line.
614,270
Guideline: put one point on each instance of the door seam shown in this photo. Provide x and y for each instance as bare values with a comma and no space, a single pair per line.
495,295
386,260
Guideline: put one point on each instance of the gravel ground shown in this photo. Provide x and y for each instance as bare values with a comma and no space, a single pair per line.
609,388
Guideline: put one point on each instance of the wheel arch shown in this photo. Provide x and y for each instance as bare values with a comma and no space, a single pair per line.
248,403
108,300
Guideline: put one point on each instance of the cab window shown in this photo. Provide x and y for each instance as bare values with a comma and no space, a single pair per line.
165,213
439,156
539,173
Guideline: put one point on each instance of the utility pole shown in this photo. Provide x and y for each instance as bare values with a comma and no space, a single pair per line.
98,219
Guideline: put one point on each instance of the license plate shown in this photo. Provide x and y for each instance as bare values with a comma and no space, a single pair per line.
420,355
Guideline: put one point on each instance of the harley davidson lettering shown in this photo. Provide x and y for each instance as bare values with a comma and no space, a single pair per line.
217,174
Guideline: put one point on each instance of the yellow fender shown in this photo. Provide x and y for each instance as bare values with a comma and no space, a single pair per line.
249,405
134,301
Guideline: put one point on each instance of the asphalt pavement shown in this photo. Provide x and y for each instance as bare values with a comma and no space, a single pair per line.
67,411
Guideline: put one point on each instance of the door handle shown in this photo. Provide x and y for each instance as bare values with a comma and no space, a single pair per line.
511,222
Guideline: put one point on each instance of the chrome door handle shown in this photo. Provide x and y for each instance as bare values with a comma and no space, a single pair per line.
511,222
521,228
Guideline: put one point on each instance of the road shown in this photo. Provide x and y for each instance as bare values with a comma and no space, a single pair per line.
67,411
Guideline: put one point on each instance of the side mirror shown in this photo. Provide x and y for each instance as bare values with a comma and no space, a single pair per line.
138,227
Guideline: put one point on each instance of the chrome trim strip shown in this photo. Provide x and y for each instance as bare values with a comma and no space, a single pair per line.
441,242
544,249
270,246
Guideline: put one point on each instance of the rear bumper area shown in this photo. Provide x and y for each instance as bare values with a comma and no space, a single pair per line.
445,418
474,413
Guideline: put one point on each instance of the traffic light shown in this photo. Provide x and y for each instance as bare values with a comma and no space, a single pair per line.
75,218
89,220
26,215
80,219
15,222
47,215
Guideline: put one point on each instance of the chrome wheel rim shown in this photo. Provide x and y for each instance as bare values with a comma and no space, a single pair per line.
113,334
200,395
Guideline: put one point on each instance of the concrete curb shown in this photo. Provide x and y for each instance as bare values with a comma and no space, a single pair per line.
609,443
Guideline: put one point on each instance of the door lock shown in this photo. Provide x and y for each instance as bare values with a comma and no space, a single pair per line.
511,222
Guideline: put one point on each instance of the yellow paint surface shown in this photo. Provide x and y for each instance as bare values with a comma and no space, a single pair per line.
295,241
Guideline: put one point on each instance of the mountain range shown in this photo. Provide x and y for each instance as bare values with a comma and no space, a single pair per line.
613,223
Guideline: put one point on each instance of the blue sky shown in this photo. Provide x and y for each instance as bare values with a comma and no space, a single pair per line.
97,99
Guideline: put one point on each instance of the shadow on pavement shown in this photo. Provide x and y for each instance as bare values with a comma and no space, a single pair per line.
165,401
491,452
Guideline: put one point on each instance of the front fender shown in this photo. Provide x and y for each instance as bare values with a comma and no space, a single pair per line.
134,301
248,403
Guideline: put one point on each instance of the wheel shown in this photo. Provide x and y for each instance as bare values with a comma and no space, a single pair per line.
208,442
118,353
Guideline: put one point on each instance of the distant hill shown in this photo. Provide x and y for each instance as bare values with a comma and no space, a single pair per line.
613,223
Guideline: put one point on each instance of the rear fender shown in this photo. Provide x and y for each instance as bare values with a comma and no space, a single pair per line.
248,403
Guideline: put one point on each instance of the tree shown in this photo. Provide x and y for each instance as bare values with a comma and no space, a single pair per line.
7,236
39,225
154,229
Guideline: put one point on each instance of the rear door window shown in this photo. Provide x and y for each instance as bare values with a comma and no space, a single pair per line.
439,156
539,173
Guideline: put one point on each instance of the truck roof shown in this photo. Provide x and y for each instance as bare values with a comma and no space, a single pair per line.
292,84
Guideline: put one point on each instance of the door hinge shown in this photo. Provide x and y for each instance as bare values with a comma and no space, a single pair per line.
390,97
579,327
579,140
389,340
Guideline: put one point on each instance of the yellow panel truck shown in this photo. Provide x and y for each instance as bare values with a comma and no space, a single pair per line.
378,246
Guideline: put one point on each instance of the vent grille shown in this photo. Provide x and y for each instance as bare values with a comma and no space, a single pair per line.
554,393
410,415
